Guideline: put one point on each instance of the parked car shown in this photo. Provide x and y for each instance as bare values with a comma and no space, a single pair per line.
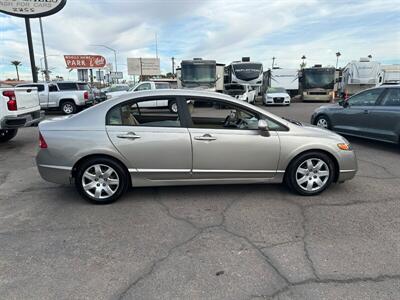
372,114
98,94
122,143
276,95
150,85
19,107
67,96
242,92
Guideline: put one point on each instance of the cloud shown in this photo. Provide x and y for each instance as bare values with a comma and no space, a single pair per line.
224,30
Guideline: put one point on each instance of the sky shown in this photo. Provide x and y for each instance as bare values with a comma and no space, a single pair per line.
224,30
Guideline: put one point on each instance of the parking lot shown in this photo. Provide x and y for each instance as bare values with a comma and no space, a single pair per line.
203,242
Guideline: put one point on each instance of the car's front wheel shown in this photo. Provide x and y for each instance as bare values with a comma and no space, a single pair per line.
7,134
323,122
310,173
101,180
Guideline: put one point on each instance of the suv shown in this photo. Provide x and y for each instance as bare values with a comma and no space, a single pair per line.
67,96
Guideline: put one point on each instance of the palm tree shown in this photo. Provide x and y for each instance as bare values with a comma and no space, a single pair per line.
337,58
303,63
16,63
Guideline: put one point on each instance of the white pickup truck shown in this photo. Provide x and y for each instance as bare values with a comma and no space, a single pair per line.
19,107
67,96
145,86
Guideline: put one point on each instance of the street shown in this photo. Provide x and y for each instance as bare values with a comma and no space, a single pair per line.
202,242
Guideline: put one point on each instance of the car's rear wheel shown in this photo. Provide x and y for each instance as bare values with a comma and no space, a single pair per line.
7,134
101,180
68,107
310,173
323,122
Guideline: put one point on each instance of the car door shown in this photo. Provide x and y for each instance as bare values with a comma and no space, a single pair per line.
155,143
43,96
54,95
227,143
355,116
385,118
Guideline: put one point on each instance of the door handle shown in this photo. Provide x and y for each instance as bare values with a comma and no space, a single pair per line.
205,137
129,135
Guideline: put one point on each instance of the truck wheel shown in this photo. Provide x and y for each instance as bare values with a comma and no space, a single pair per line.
68,107
173,107
7,134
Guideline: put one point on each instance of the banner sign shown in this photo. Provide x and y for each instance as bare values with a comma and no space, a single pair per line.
143,66
31,8
84,61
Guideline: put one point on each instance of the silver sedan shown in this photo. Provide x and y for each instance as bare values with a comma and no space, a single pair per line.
212,139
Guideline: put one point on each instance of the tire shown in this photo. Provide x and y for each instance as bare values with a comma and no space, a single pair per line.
173,107
323,122
100,188
68,107
302,181
7,134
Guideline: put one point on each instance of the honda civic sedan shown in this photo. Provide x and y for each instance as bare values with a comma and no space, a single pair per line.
213,139
372,114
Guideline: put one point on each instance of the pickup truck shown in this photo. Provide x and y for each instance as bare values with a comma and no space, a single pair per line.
19,107
66,96
146,86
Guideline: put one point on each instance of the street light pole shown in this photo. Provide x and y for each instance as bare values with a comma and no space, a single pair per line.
46,66
115,56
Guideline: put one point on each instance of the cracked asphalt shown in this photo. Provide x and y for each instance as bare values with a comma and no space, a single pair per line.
204,242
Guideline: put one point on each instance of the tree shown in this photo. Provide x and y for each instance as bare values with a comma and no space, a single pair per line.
16,63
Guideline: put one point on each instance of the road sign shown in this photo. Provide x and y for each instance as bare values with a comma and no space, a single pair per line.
144,66
84,61
116,75
31,8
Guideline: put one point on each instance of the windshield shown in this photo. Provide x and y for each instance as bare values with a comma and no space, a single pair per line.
199,73
119,88
273,90
319,78
247,71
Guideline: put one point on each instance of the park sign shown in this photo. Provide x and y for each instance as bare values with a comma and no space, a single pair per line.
84,61
31,8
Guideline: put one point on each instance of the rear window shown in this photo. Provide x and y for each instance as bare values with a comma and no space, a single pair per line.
67,86
162,85
40,87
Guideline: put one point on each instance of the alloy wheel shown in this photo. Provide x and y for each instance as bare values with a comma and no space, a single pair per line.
174,107
68,108
322,123
100,181
312,175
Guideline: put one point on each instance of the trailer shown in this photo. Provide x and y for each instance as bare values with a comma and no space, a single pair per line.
359,75
389,74
284,78
318,83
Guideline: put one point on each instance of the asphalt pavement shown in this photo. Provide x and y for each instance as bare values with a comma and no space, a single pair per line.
202,242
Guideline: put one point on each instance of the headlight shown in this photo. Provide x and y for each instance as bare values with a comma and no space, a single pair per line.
344,146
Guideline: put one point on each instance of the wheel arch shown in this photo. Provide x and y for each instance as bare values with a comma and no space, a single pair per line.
329,154
92,156
322,114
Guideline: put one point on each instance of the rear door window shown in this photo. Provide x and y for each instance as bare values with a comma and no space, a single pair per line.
392,98
67,86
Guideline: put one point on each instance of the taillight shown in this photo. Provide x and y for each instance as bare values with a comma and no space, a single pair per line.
86,95
42,142
12,101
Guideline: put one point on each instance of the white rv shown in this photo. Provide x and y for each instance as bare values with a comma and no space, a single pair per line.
359,75
284,78
390,74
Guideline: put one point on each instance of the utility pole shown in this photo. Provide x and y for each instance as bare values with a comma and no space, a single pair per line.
31,52
46,66
173,66
156,46
273,61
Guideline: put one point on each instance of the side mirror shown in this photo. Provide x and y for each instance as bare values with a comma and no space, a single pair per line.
262,125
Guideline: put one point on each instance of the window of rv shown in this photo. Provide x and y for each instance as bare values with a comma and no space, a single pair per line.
247,71
198,73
